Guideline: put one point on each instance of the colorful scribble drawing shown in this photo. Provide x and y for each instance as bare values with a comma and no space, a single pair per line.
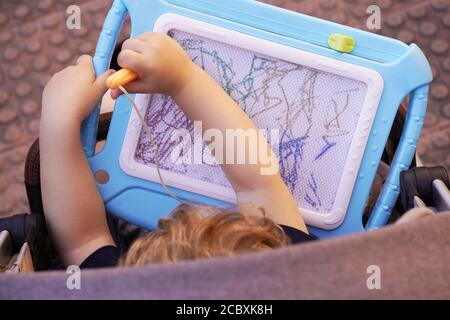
316,112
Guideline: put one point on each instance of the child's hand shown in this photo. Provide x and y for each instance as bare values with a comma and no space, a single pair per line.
161,63
72,93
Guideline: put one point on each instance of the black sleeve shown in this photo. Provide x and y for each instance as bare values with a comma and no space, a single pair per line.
104,257
297,236
109,256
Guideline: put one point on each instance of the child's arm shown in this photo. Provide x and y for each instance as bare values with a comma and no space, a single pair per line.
74,210
163,66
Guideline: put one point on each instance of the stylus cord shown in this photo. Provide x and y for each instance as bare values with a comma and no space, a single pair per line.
152,142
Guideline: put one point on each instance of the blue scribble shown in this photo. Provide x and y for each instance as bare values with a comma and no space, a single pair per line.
314,200
291,149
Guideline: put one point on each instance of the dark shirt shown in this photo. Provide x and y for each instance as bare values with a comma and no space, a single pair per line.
109,256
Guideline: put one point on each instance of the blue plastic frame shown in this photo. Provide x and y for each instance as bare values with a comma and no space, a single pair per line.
404,69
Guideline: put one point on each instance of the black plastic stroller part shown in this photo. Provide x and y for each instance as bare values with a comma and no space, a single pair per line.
18,227
33,179
441,193
114,64
418,183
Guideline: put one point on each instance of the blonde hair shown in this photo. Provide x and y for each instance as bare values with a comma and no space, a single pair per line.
204,232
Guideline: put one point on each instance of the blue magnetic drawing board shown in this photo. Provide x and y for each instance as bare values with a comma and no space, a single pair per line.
332,110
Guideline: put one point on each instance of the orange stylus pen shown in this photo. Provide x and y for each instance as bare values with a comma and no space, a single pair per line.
121,78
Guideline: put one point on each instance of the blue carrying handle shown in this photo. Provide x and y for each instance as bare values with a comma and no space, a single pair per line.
403,157
102,59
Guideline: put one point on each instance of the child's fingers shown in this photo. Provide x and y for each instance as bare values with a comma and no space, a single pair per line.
100,82
146,36
131,60
84,59
85,62
115,93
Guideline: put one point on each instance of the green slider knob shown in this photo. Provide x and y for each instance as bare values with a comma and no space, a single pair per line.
341,43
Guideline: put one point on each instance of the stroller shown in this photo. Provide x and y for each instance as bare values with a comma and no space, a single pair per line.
326,269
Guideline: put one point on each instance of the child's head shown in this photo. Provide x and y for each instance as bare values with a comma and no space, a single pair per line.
202,232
